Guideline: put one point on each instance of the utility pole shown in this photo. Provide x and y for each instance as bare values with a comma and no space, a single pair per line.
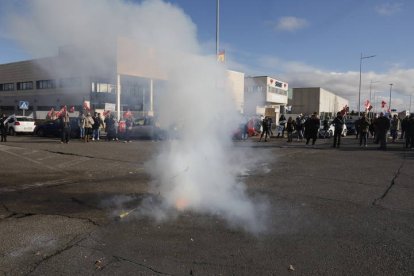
360,80
389,106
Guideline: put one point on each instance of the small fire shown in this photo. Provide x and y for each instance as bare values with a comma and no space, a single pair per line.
181,204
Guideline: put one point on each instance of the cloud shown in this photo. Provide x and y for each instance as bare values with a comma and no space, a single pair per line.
388,9
344,84
290,24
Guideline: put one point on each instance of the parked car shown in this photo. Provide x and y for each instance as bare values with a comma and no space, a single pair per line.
52,128
20,124
146,128
331,130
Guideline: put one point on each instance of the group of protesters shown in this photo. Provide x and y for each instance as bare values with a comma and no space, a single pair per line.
380,126
308,127
91,124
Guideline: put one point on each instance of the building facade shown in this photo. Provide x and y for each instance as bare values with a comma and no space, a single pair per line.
128,77
316,99
264,95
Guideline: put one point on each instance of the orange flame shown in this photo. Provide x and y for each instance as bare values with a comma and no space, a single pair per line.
181,204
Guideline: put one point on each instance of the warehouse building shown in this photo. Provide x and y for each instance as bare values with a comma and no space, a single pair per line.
128,78
264,95
316,99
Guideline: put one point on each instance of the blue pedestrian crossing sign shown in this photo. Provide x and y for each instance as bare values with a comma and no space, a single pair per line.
24,105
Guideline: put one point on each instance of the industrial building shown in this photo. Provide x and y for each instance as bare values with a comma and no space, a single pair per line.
126,78
316,99
264,95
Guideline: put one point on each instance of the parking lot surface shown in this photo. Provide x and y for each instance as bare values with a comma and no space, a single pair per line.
346,211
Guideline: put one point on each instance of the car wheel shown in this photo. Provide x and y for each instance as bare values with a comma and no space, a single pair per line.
40,133
12,132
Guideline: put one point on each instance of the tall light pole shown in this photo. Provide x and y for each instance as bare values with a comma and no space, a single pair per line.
389,106
360,78
217,26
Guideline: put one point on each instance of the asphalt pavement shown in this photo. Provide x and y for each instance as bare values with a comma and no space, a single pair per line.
332,211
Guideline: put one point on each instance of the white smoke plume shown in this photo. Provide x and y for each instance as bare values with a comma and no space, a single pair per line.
198,172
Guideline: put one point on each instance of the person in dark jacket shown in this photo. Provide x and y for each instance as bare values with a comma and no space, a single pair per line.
65,127
3,128
312,125
357,122
404,124
363,131
338,122
409,133
382,127
265,126
290,127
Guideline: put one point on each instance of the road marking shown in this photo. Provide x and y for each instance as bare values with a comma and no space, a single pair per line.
28,159
36,185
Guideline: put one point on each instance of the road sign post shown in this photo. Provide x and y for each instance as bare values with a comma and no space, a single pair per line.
24,105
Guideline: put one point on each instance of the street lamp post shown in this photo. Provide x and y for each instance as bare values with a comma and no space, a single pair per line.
360,78
217,27
389,106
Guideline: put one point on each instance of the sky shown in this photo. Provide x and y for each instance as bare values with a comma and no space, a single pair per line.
306,43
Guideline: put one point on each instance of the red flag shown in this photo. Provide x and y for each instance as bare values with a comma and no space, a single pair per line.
127,114
50,113
344,110
383,104
72,109
106,112
61,111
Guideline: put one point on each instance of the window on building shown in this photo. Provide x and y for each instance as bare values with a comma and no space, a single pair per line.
70,82
6,86
101,87
276,90
45,84
26,85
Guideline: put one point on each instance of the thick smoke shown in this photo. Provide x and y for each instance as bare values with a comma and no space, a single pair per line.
199,171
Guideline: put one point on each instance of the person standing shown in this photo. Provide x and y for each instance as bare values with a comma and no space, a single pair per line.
282,125
3,128
95,127
363,131
325,125
338,122
110,128
88,126
409,133
404,125
394,127
382,127
312,126
81,124
299,127
357,128
128,129
265,130
65,127
290,127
